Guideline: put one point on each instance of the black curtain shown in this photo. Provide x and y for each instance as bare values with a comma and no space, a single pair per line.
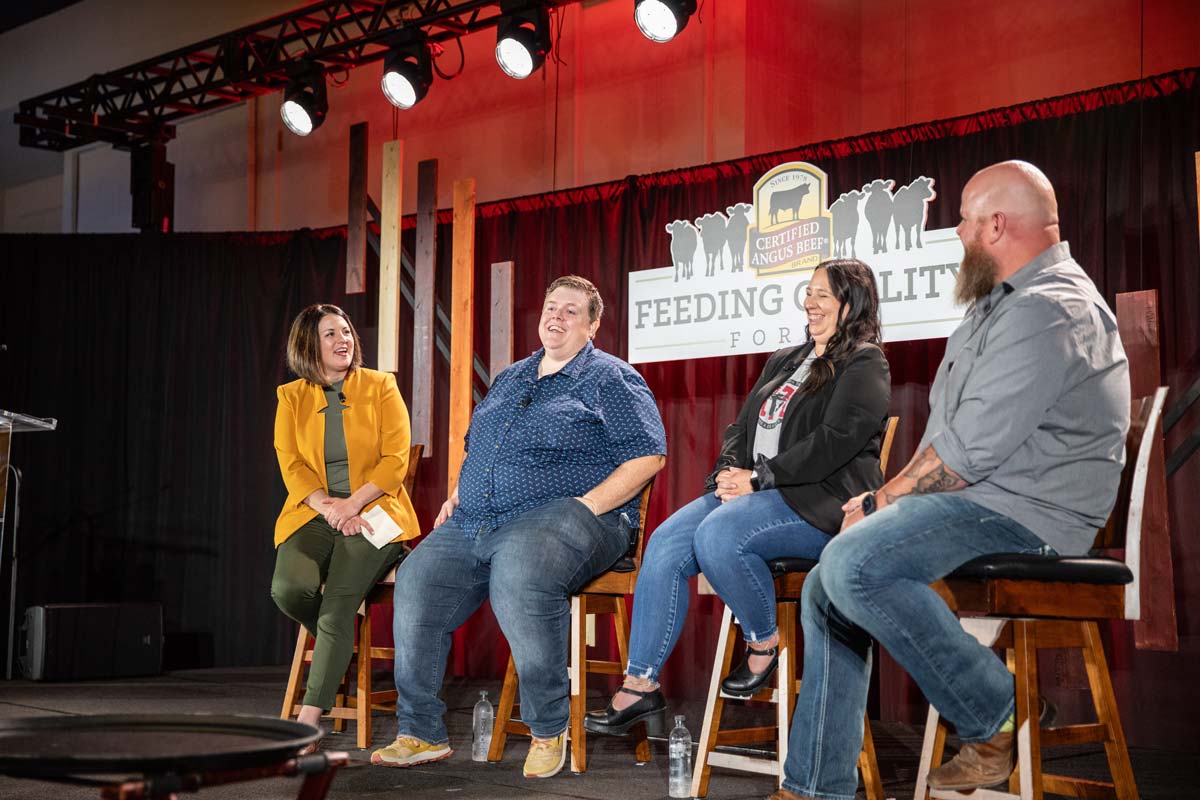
158,356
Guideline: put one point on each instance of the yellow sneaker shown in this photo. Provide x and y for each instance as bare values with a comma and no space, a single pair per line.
546,756
408,751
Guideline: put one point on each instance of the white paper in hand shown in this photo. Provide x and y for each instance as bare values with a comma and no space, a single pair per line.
385,528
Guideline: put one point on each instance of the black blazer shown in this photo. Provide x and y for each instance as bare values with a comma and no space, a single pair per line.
829,444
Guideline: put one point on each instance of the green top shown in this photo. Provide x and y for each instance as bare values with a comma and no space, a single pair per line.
337,465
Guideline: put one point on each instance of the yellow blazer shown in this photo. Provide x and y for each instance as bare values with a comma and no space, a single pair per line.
377,441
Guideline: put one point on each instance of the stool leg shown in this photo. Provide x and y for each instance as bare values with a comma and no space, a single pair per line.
577,667
1107,714
621,624
504,712
932,748
295,675
868,766
714,707
1029,745
785,678
362,687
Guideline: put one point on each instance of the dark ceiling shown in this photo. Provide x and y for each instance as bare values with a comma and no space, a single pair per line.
15,13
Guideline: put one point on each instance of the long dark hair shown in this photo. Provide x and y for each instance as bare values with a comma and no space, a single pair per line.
853,285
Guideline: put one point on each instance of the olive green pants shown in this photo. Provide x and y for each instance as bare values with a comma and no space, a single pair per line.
348,566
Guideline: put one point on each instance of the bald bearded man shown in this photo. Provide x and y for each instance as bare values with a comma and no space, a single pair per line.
1022,453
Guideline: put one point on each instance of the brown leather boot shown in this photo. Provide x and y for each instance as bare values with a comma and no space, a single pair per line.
977,764
783,794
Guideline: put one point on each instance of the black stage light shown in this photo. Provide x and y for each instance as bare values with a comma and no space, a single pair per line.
523,40
407,72
662,20
304,103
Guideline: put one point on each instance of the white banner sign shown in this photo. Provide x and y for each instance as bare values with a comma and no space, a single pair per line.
738,278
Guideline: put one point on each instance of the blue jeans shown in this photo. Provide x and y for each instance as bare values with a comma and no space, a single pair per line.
873,582
731,543
528,567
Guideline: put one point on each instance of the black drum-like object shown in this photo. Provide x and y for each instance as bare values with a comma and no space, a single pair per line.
146,744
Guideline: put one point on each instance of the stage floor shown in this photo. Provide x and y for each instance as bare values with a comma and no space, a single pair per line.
612,773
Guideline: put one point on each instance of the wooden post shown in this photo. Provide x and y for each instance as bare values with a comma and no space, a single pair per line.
500,349
462,311
389,257
424,302
1137,320
356,223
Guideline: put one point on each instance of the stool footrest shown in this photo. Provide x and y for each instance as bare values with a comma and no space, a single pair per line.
743,763
747,735
1073,734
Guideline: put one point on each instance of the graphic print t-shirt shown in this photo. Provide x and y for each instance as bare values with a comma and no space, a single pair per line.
770,416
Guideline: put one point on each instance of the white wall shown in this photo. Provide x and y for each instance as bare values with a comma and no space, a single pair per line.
33,207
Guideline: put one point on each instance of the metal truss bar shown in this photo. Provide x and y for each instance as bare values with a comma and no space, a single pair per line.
227,69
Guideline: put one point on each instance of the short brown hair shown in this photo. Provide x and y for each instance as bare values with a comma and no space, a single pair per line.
304,343
595,303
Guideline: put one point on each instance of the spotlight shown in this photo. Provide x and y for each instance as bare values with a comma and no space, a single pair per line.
304,103
662,20
522,41
407,73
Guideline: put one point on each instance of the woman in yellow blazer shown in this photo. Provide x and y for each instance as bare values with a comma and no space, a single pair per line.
342,437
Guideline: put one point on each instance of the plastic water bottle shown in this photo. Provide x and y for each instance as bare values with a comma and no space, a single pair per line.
482,727
680,749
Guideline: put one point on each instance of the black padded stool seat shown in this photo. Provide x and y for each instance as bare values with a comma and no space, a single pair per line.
1035,567
788,564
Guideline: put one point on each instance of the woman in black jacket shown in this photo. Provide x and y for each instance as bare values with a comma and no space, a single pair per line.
806,441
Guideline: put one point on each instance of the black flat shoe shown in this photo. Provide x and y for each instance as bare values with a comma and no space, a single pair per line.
743,682
650,708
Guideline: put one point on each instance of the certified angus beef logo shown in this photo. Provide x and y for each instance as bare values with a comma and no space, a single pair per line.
738,277
792,227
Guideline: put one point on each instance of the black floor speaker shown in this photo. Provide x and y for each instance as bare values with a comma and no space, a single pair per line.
82,641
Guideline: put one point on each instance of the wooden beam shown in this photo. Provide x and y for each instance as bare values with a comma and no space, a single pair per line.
424,304
1137,320
462,324
500,349
391,207
356,223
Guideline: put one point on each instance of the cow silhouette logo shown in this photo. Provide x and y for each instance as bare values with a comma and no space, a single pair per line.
878,210
845,223
712,236
735,235
910,209
793,226
683,247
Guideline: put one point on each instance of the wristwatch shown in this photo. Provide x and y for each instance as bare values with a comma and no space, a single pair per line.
868,504
754,480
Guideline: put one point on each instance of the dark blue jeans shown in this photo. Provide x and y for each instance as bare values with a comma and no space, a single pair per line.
529,568
873,582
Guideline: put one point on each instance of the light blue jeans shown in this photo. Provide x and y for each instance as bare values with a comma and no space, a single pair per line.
528,567
731,543
873,582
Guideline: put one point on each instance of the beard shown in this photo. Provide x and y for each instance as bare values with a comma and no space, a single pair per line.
976,275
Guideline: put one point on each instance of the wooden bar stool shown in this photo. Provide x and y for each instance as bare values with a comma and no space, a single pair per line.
605,594
356,707
1026,602
789,574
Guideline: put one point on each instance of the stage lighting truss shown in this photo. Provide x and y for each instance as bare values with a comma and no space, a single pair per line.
662,20
407,72
522,39
304,102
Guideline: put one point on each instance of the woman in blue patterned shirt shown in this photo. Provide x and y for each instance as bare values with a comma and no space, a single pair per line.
557,453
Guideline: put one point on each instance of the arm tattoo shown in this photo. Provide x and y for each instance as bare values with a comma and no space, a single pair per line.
940,479
929,476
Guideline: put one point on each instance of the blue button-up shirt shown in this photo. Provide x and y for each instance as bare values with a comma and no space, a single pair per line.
533,440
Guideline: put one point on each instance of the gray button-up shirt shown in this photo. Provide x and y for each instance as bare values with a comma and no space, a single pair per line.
1030,405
